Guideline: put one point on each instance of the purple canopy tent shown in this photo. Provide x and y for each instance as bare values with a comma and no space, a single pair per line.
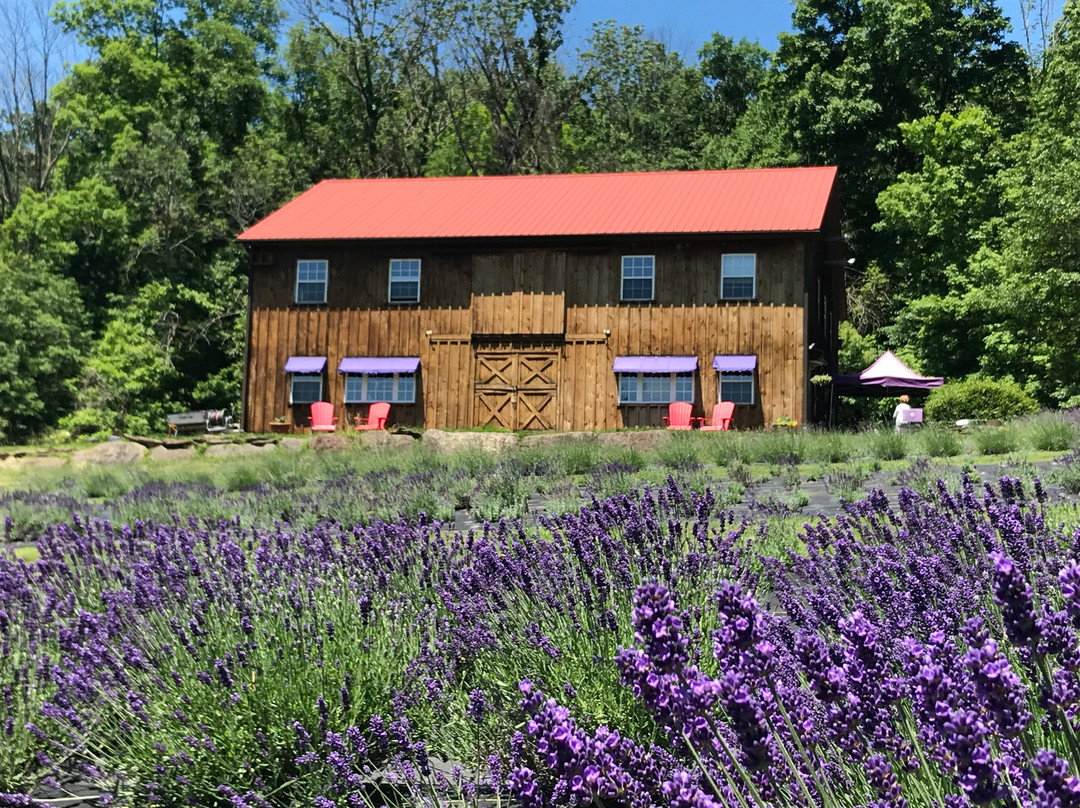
888,376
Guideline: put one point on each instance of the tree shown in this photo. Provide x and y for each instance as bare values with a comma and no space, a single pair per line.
41,344
853,70
502,55
1039,298
734,73
642,108
30,145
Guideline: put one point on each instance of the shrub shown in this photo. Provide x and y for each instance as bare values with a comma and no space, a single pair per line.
786,444
939,442
1068,476
579,457
832,447
978,398
889,446
995,440
679,452
847,484
89,422
1051,432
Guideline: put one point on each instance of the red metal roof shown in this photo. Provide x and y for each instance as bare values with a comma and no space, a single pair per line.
735,201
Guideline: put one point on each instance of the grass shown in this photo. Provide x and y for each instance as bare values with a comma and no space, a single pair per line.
27,554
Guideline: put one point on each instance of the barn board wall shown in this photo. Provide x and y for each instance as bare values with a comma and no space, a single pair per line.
473,292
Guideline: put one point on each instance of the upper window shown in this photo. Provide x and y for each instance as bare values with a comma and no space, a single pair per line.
738,276
638,273
655,388
311,282
395,388
305,389
404,282
737,387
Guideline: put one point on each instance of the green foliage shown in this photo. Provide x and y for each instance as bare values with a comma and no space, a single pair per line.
41,344
996,440
889,445
627,77
1050,432
850,73
978,399
938,441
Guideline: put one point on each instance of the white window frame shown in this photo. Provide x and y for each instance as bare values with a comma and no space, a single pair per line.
368,399
725,274
307,377
623,279
671,387
740,376
325,281
390,283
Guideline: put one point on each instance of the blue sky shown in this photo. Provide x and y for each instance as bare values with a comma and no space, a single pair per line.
686,24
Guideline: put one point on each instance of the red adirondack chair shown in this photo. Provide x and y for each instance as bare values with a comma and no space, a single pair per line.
376,417
722,414
678,416
322,417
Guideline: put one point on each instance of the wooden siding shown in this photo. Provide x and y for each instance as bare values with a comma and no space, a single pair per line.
564,296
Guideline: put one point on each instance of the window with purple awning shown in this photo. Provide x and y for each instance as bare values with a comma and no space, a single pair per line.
655,379
380,378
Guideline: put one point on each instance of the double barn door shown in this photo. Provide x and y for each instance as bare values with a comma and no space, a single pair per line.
516,387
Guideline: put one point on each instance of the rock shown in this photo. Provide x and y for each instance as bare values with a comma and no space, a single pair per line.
642,440
109,453
177,443
439,441
262,441
165,453
234,449
329,442
377,439
558,438
149,443
291,444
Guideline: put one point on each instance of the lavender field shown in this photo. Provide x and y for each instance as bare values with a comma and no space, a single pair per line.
345,644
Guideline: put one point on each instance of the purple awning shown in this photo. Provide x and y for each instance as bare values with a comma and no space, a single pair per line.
305,364
655,364
379,364
735,364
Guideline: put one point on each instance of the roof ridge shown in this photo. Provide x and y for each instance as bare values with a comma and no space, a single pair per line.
591,174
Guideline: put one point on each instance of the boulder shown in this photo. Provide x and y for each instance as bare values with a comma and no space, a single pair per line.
291,444
110,453
234,449
439,441
642,440
329,442
177,443
546,439
165,453
377,439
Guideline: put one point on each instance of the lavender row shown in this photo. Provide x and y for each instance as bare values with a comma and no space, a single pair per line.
919,653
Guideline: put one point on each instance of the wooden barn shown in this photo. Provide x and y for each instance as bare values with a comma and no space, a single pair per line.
552,302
